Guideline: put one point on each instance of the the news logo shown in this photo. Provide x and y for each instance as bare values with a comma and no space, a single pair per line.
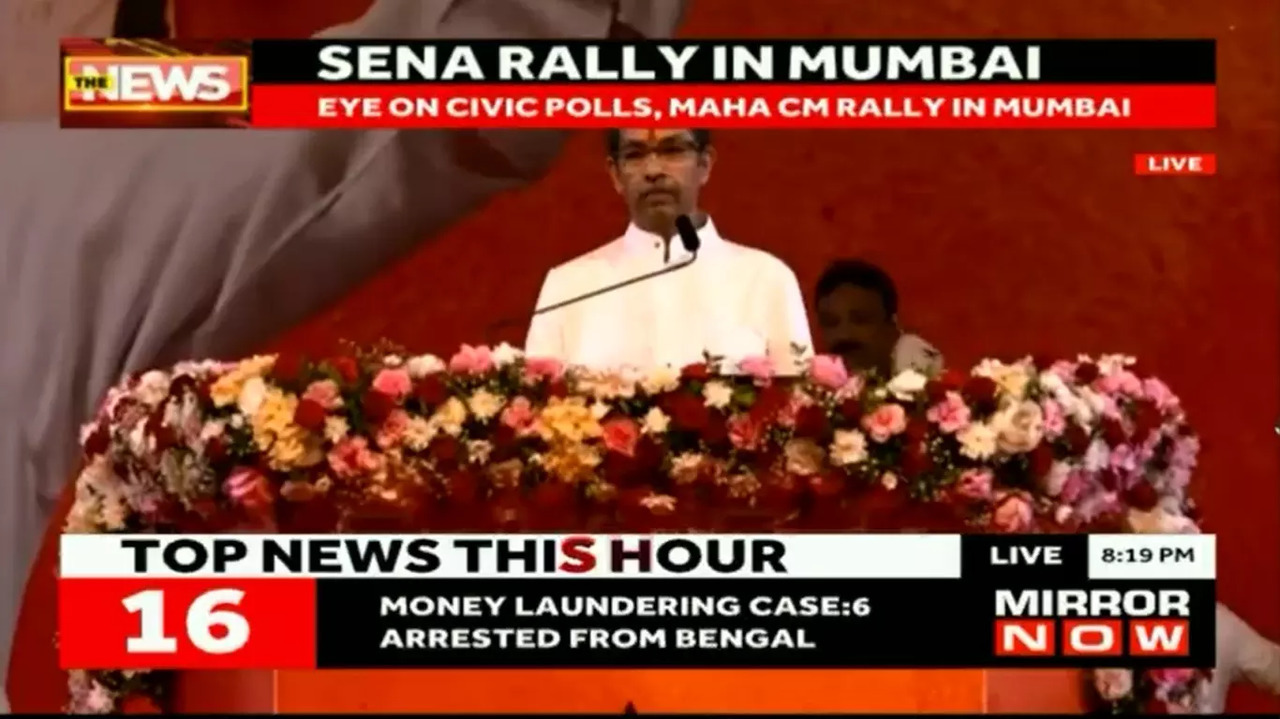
1092,623
155,84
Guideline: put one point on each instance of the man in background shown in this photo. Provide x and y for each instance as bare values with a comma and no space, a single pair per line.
857,306
124,250
733,302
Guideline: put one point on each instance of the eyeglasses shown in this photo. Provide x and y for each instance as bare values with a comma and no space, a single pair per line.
634,157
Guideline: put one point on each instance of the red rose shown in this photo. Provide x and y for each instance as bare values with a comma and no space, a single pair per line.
1040,460
551,494
715,431
687,411
164,436
620,469
915,459
1113,432
1087,372
1077,439
851,411
444,449
1146,420
935,391
980,390
917,430
310,414
139,704
811,422
1109,480
1142,496
287,367
952,380
825,486
215,449
97,441
376,405
558,388
504,441
347,368
649,454
770,400
463,487
431,390
697,371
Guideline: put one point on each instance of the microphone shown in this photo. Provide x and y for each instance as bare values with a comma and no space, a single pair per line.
689,239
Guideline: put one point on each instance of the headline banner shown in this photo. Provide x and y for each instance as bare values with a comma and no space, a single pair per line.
326,601
713,84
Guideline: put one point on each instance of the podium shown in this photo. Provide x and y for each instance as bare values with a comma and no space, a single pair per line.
608,691
36,685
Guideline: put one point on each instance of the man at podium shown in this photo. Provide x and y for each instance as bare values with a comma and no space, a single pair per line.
706,295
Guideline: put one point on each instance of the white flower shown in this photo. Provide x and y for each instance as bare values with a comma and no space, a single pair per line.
907,384
504,354
889,481
657,380
335,429
1011,378
664,502
1053,482
251,396
478,451
418,433
1062,513
1113,684
977,441
1158,521
1097,457
153,388
450,416
655,421
98,700
484,404
423,365
600,409
717,394
1019,427
849,446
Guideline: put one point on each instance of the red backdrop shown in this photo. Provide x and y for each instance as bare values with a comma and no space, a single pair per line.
1002,242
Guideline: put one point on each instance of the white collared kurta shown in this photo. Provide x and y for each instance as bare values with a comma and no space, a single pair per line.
734,301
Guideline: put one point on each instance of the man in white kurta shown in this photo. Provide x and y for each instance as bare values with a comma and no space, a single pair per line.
733,301
1241,655
121,250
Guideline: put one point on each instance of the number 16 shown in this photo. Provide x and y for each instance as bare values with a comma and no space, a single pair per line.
202,616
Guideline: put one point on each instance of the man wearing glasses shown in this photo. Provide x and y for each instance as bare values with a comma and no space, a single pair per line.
734,301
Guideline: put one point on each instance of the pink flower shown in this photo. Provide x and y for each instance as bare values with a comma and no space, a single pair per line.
1159,393
1055,420
1185,450
975,484
1012,511
1073,488
759,366
1065,370
472,360
392,429
745,432
797,401
324,393
620,435
886,421
1120,382
543,368
828,371
394,383
951,414
352,457
248,488
1167,678
518,414
1123,459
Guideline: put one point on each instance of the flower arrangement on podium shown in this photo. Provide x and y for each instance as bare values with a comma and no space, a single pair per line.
493,440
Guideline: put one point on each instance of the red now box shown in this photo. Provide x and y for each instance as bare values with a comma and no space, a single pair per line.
213,623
